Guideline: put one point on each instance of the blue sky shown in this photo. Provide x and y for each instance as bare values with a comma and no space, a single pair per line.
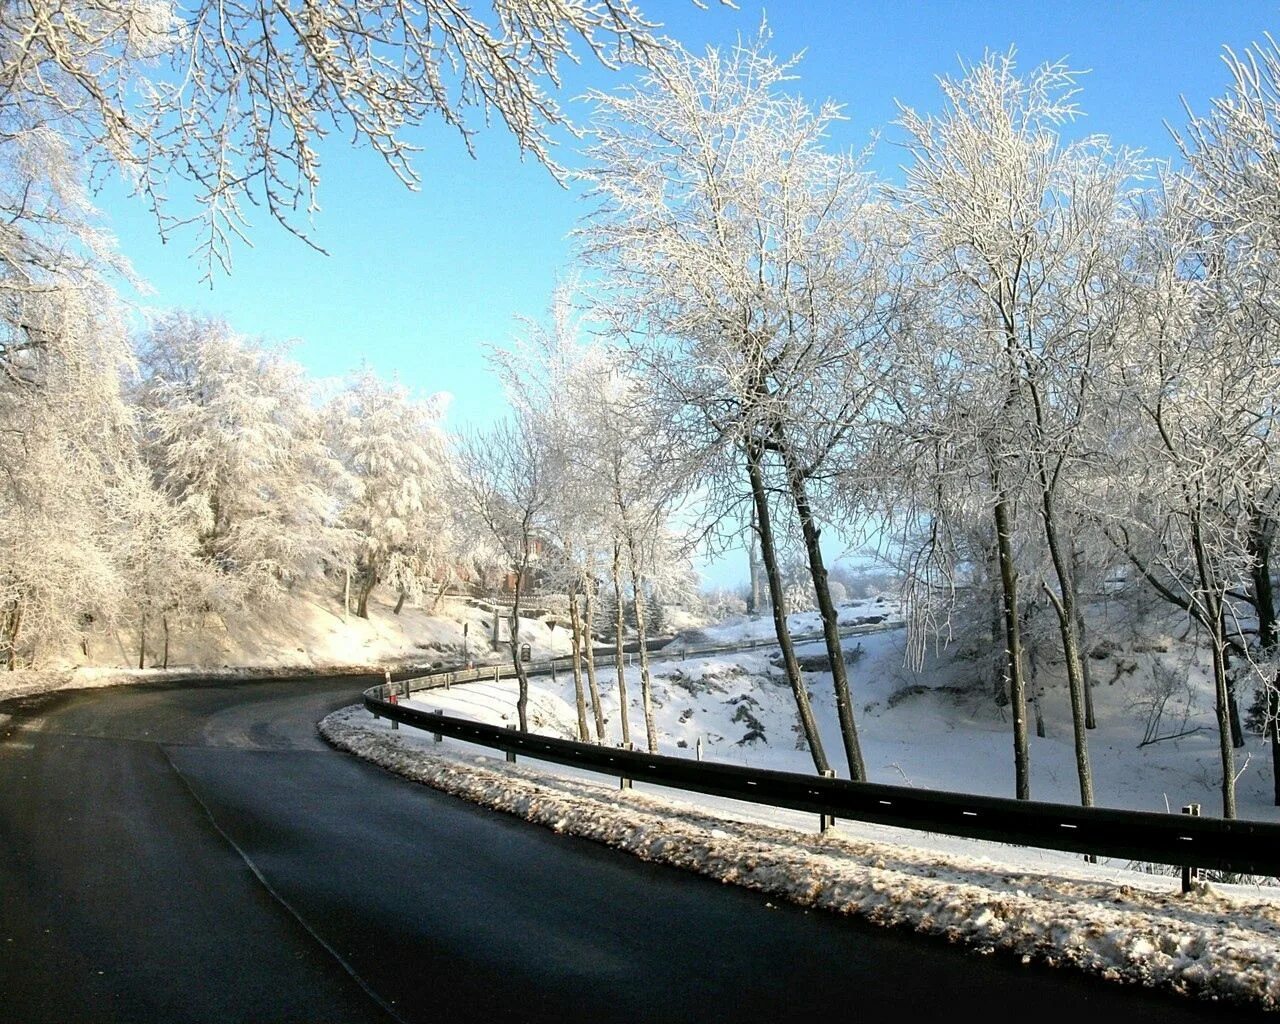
416,282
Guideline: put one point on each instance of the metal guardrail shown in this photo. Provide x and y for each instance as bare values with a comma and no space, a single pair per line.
1241,846
668,651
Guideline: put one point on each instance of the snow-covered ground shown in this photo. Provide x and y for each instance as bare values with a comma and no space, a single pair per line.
1220,942
935,728
300,632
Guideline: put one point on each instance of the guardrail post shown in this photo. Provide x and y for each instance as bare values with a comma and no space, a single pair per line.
624,782
511,754
826,822
699,748
389,693
1190,874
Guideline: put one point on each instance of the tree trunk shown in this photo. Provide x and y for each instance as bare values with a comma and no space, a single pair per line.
593,684
827,609
164,622
619,626
1035,689
346,597
646,689
1090,716
366,588
1233,703
755,598
1273,730
773,574
12,624
142,642
1226,750
522,699
1211,616
999,656
399,602
1269,636
575,636
435,603
1013,641
1064,605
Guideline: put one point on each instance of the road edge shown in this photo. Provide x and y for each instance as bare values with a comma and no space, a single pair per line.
983,920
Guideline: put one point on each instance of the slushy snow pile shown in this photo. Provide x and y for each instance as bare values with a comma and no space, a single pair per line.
1209,944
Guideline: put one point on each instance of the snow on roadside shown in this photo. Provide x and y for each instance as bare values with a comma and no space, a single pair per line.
1209,944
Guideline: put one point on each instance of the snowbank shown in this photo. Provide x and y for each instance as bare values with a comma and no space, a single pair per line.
1209,944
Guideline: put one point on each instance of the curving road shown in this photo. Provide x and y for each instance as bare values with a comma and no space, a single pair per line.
196,853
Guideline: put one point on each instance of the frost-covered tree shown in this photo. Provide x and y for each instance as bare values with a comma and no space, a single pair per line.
394,450
504,485
1194,428
69,443
230,431
1017,234
732,247
225,104
1231,152
165,583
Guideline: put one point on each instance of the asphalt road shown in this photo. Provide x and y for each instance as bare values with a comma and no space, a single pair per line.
196,853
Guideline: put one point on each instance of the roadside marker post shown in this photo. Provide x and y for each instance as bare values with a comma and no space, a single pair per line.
826,822
1190,874
624,782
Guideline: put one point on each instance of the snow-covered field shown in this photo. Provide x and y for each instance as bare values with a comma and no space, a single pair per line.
1220,942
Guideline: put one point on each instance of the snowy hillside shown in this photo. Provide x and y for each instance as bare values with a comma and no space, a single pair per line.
935,728
309,630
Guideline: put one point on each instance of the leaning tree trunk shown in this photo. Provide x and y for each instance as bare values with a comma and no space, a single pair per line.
593,684
769,555
575,635
618,654
1013,640
400,601
1064,606
827,609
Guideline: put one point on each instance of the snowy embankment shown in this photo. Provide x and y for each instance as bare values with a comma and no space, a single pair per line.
299,634
1209,944
935,726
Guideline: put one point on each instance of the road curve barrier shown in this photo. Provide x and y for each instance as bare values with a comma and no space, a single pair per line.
1239,846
